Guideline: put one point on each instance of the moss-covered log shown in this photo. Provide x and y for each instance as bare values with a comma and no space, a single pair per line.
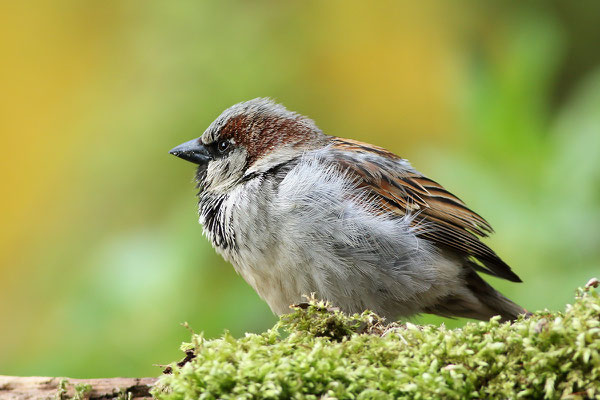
317,353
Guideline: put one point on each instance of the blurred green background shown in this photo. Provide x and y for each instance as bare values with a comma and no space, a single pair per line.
101,255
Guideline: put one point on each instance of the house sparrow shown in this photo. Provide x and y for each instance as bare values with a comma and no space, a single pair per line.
298,212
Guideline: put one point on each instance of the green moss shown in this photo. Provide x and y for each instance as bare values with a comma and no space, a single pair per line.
61,390
317,352
81,391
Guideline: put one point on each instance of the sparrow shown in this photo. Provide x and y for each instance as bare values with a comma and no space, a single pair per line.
299,212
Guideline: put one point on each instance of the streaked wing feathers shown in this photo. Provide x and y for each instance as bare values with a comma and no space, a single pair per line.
442,218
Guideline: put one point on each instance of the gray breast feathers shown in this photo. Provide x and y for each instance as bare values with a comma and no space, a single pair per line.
311,229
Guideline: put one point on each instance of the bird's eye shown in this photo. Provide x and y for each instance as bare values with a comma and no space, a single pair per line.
223,145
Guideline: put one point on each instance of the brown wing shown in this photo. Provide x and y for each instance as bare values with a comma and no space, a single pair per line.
441,217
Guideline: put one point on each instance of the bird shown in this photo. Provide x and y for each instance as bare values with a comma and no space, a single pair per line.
299,212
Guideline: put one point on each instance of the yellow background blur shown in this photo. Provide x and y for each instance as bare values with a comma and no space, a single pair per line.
101,255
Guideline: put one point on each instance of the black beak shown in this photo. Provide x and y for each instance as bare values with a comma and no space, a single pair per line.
192,151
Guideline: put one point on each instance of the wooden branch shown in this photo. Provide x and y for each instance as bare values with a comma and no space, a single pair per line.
36,387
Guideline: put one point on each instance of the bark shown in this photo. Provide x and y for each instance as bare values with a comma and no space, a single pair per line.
36,387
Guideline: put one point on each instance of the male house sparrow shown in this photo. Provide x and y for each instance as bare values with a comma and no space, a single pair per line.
298,212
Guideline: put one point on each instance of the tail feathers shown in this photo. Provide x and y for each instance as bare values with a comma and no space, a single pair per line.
492,299
479,300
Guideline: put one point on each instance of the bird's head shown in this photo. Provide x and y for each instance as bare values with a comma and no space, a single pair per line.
246,140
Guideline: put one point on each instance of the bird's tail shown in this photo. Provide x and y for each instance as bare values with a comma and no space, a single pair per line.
479,301
493,300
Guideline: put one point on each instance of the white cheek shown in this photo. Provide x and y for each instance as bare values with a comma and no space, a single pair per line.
222,174
215,170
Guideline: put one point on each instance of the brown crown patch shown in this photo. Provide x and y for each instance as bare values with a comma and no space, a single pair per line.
262,134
